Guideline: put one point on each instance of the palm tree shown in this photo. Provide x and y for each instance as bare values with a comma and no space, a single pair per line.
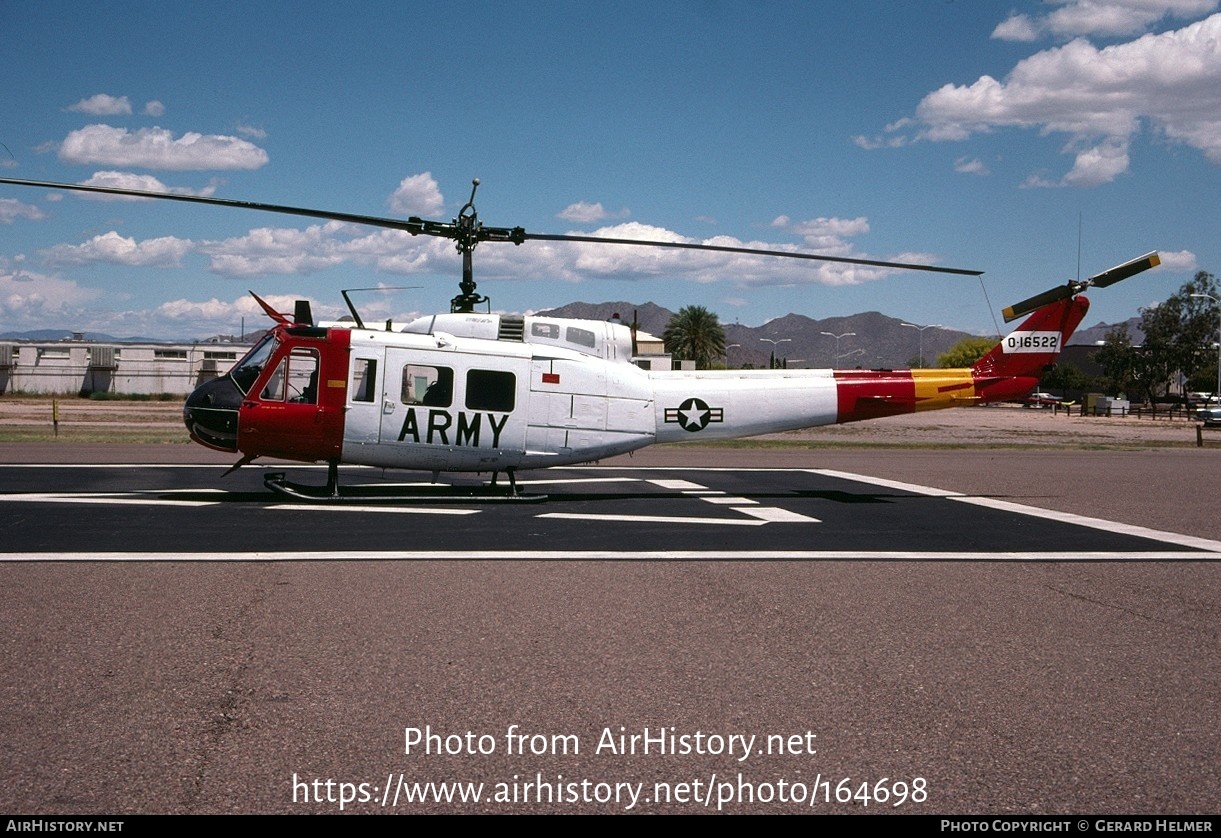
695,334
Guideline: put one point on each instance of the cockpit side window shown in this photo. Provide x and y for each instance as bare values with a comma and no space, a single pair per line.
295,379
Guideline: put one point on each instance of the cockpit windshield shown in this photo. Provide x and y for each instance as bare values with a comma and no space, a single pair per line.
247,370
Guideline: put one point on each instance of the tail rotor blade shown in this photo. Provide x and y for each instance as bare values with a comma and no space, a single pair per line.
1127,269
1023,308
1102,280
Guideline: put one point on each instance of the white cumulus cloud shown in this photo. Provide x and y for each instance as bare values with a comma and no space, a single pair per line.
1100,98
583,212
1180,261
828,235
103,104
11,209
33,299
111,248
1100,18
142,183
970,166
417,195
157,148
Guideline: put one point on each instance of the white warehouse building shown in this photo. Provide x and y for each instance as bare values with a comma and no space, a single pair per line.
85,367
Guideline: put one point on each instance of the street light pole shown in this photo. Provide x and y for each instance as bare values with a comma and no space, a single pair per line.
774,344
837,337
727,348
921,329
1217,302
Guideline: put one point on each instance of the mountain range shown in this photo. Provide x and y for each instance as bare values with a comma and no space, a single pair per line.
869,340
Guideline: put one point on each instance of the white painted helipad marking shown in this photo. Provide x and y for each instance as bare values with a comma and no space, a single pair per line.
679,485
775,515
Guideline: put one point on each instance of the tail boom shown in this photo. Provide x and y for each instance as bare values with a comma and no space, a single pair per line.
716,405
1010,370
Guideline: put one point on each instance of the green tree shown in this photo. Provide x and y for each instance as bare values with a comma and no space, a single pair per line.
695,334
965,353
1179,332
1178,339
1066,378
1120,361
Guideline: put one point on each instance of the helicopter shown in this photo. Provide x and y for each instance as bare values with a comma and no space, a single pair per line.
483,392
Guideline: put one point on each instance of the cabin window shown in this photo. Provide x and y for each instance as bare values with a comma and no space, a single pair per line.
432,386
295,379
551,331
491,390
364,379
579,336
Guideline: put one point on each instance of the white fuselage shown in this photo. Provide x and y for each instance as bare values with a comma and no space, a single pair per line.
553,392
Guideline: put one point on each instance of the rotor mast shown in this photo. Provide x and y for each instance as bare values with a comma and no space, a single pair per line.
466,229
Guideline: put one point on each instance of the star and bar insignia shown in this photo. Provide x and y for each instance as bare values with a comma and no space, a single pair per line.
694,415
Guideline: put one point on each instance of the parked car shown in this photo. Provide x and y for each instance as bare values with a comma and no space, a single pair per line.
1041,400
1210,416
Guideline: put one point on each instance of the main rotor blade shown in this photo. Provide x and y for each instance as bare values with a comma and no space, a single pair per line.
410,224
752,251
517,235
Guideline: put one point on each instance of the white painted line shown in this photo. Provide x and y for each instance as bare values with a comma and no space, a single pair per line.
1033,511
616,555
679,485
653,519
775,515
728,501
137,500
1094,523
886,484
408,510
33,497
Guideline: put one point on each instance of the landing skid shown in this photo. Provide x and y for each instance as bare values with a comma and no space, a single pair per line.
333,493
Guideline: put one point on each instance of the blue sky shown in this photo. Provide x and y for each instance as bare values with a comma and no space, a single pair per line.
973,134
